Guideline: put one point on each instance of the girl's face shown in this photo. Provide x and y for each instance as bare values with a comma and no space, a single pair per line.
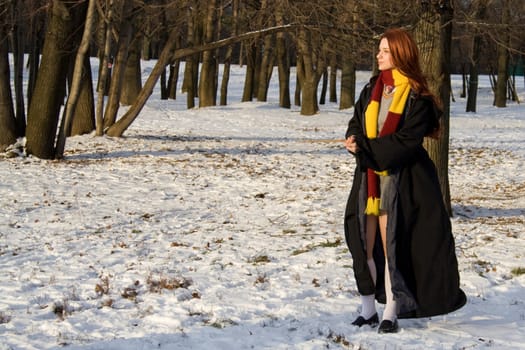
384,58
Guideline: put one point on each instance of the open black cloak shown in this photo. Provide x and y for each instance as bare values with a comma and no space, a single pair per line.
421,250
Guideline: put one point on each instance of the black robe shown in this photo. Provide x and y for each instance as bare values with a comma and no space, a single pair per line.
421,249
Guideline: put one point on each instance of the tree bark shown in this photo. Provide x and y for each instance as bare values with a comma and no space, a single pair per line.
35,48
84,117
348,80
8,132
48,96
324,87
266,68
104,70
249,80
473,75
191,66
132,80
313,70
299,80
173,80
479,14
283,61
18,44
333,77
207,86
79,77
228,57
119,66
434,36
500,97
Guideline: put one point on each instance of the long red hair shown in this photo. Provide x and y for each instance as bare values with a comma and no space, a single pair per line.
405,57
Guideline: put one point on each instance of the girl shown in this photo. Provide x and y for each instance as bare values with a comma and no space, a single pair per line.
396,195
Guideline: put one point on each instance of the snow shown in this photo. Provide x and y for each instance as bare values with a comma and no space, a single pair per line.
221,228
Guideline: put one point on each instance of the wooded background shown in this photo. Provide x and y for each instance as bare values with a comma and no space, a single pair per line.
52,40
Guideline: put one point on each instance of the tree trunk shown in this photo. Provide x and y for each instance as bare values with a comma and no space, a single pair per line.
226,77
479,14
18,44
104,70
173,80
48,96
283,62
8,132
324,87
313,70
35,48
228,57
132,80
166,55
473,76
164,81
299,80
78,80
191,65
500,97
249,81
119,66
333,77
348,78
347,83
207,86
434,35
84,116
266,68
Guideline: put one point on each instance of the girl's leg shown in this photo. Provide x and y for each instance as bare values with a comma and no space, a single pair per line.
371,229
368,306
390,312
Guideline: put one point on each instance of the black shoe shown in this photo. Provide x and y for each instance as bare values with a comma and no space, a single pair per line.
388,326
361,321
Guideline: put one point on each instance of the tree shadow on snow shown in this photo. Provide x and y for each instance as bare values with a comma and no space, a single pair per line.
479,212
225,145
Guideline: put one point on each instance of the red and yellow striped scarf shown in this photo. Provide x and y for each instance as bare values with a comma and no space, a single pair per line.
401,86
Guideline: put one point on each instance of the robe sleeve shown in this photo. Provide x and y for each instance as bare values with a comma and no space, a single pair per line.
400,148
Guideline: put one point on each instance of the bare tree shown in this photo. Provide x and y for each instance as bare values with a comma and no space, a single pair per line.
43,115
480,12
433,34
500,96
75,91
7,114
20,9
191,68
348,53
267,54
207,86
132,79
283,59
229,53
117,77
105,44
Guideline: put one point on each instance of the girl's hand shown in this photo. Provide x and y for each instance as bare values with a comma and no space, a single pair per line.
351,145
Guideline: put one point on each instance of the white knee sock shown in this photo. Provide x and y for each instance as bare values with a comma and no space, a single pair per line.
390,312
368,302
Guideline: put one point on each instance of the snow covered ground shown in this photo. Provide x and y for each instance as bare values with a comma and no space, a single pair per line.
221,228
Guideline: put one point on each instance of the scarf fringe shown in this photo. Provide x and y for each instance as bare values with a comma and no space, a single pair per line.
372,206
